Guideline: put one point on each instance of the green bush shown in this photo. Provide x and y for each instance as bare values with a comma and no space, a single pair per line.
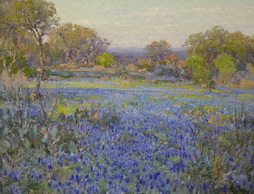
105,59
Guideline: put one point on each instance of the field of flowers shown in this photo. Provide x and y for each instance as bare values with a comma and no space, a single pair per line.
94,136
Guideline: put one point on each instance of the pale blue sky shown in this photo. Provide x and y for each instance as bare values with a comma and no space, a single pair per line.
135,23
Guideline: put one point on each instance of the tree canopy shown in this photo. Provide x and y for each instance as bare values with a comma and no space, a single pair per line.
217,52
33,18
79,43
158,50
30,34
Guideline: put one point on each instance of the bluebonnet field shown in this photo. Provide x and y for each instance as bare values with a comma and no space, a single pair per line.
93,136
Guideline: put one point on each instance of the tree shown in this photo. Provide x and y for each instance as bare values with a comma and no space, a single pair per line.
241,48
225,64
105,59
12,58
79,43
158,50
147,64
36,17
218,52
13,43
199,73
96,46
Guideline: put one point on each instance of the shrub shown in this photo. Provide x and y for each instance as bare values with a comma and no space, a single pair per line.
131,67
105,59
168,70
147,64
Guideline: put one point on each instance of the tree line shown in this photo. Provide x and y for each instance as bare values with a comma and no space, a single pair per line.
30,34
31,37
216,55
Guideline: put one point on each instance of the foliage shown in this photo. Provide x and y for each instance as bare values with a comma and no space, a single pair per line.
35,18
14,59
216,51
105,59
157,50
167,70
121,71
12,62
199,73
131,67
80,44
225,65
13,44
60,73
147,64
53,55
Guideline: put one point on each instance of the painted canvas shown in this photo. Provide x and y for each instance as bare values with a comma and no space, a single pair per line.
126,96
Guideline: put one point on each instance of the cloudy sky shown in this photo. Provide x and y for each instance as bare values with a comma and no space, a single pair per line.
135,23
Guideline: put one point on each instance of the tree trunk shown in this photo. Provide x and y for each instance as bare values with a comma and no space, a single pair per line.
41,60
41,56
70,58
78,56
6,68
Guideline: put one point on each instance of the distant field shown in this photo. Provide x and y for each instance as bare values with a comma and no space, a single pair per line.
148,91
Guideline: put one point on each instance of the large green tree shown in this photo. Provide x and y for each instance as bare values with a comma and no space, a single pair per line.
13,42
218,52
36,18
78,43
158,50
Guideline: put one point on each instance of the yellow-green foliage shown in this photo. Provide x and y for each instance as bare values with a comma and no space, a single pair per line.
124,83
250,68
82,84
199,73
65,109
128,103
224,117
187,96
105,59
94,97
225,64
155,98
211,108
193,89
197,96
246,95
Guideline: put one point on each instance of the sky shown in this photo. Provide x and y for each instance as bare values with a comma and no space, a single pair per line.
136,23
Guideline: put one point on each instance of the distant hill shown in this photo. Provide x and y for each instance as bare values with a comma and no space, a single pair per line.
127,55
182,53
130,55
127,50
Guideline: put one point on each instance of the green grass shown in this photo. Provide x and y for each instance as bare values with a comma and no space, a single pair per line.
64,84
171,96
246,95
82,84
93,97
65,109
